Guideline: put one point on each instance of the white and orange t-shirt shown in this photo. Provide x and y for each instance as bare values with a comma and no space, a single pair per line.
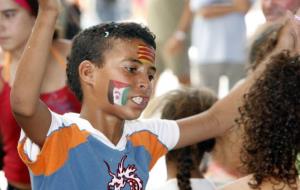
77,156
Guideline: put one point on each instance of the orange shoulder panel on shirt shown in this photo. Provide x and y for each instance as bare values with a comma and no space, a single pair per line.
55,150
151,143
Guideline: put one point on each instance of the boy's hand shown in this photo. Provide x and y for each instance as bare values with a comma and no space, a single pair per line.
289,38
50,5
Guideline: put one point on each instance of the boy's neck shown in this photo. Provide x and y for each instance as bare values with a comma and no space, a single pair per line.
110,126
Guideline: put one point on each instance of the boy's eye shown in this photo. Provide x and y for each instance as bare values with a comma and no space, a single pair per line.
131,69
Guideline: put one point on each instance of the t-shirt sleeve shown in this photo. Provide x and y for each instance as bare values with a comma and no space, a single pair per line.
167,131
34,156
156,136
29,148
64,135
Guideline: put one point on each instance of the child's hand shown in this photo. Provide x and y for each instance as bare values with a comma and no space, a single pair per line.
296,27
50,5
289,38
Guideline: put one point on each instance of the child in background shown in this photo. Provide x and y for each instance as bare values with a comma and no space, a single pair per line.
17,18
183,164
270,118
111,69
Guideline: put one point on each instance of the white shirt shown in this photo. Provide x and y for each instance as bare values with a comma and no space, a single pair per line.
220,39
196,184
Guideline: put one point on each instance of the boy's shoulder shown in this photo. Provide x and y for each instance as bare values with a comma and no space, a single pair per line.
66,118
60,121
153,134
158,128
149,124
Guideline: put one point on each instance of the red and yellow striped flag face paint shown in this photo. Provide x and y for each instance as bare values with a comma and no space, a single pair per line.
146,54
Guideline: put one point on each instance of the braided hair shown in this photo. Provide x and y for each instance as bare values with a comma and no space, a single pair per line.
180,104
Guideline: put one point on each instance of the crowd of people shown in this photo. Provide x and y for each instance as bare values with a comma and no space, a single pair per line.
70,109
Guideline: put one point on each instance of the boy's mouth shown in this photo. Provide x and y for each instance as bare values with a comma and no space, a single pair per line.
140,100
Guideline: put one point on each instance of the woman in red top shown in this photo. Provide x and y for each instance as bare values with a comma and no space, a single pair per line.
17,18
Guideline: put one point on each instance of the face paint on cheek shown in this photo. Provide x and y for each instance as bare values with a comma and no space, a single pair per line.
118,92
146,54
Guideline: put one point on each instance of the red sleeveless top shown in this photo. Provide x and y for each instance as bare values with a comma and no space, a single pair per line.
60,101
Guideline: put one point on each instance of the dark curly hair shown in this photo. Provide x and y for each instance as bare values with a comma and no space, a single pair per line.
91,44
263,44
271,120
180,104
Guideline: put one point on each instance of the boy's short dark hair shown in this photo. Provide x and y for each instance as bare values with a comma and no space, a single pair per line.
91,44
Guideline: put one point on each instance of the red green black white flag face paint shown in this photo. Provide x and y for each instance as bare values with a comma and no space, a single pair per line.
118,92
146,54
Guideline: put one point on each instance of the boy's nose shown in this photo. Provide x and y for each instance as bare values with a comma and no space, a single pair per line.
144,82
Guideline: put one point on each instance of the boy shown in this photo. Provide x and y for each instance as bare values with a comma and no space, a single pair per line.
110,69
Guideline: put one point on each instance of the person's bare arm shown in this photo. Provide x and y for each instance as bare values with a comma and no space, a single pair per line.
1,85
33,115
186,18
176,41
1,71
216,120
222,115
217,10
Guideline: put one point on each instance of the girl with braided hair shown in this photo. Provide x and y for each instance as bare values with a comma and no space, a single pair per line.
183,164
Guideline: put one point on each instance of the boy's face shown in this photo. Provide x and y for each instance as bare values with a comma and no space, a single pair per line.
125,81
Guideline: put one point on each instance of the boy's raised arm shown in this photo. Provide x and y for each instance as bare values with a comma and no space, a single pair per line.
216,120
31,114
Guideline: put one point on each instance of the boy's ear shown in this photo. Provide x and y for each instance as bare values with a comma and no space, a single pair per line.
87,72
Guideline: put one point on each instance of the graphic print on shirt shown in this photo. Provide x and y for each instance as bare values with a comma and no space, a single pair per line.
118,92
124,176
